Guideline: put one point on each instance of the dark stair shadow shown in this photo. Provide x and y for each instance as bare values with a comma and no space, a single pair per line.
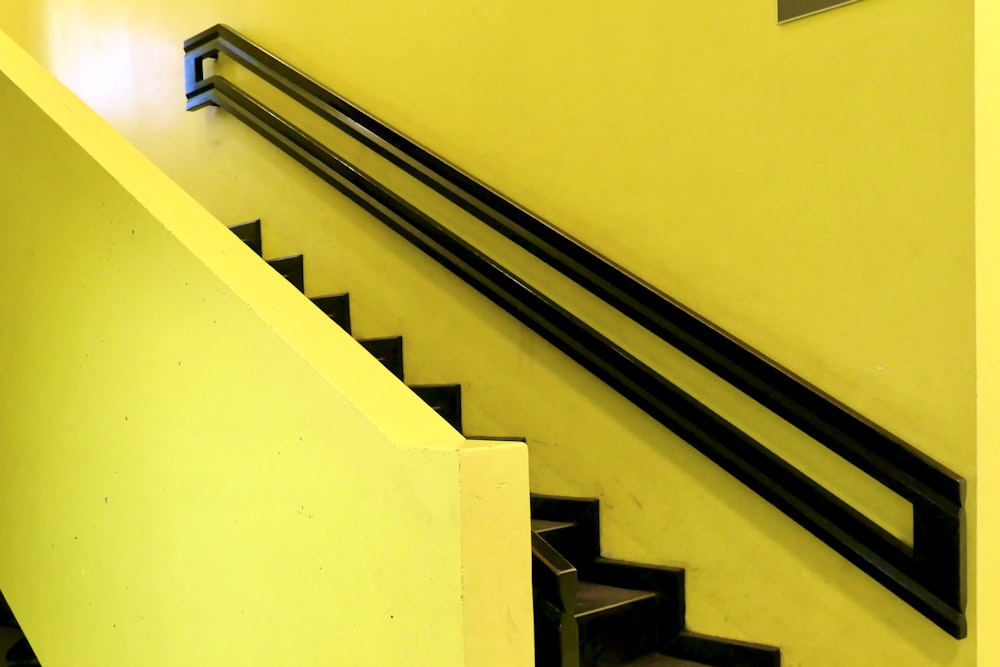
445,399
625,613
590,611
17,651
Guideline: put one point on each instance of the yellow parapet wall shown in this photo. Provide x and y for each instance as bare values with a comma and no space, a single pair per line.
197,466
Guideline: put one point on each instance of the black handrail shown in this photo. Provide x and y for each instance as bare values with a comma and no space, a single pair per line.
930,576
554,585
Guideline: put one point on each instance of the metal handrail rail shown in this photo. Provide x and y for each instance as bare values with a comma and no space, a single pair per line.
930,576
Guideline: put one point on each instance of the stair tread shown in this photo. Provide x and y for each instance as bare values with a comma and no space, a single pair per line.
375,340
592,599
660,660
287,259
544,525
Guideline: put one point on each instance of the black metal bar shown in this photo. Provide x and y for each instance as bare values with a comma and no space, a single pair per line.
931,580
554,585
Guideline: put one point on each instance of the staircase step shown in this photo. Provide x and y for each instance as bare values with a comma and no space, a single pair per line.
578,536
622,613
594,599
337,307
498,438
720,651
21,654
292,269
659,660
249,233
668,582
445,399
544,526
389,351
616,625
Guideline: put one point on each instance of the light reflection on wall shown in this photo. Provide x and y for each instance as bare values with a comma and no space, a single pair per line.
110,77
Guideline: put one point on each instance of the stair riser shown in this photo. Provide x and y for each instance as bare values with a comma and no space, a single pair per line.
581,543
614,638
446,400
572,542
292,269
337,308
389,351
250,234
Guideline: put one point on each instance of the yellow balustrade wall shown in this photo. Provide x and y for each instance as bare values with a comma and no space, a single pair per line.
198,467
809,187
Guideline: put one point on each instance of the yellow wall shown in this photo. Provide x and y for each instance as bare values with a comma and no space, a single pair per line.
988,322
808,186
198,466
